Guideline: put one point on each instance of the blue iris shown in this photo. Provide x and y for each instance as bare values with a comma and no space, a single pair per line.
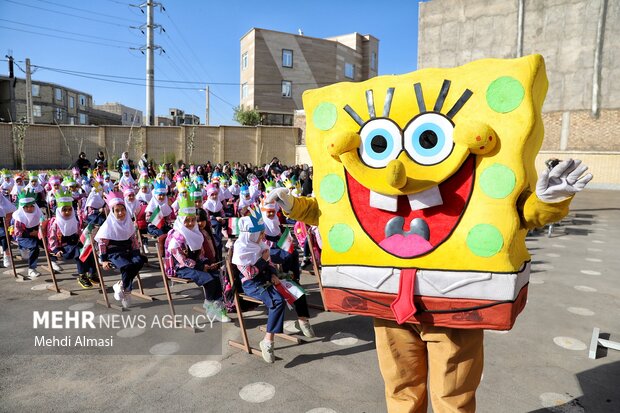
379,144
428,139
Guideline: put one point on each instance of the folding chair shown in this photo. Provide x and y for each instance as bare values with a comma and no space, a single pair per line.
7,219
161,242
106,302
54,287
233,276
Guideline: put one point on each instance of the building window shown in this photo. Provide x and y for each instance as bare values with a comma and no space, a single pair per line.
36,111
131,118
58,94
82,100
58,113
71,102
349,71
244,91
125,116
287,58
83,119
36,89
137,119
71,120
287,120
286,88
244,61
373,60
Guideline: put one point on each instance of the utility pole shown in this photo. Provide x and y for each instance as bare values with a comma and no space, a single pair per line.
12,109
29,117
150,60
150,69
207,106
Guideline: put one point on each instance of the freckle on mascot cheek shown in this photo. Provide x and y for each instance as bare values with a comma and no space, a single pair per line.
425,191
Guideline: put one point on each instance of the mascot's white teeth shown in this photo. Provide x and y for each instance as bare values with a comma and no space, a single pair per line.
420,200
385,202
425,199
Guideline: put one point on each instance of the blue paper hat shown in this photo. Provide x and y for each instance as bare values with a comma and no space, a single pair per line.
160,187
257,220
244,189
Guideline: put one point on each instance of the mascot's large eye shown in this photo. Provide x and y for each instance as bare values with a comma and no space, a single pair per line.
428,138
381,141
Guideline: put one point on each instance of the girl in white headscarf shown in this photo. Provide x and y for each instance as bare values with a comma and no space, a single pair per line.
288,259
63,236
258,277
26,229
6,207
215,211
159,202
185,258
119,246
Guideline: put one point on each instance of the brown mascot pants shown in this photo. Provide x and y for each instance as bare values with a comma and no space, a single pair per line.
450,359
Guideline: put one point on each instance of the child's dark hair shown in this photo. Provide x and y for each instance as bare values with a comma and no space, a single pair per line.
201,215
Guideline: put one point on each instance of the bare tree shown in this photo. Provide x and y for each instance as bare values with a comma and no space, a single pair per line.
18,132
191,145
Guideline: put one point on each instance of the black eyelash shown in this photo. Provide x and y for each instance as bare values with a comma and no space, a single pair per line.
443,93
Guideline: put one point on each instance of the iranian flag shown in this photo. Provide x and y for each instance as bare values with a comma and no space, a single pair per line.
157,218
85,239
286,242
290,291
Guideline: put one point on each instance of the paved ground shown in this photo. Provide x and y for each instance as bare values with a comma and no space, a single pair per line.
541,365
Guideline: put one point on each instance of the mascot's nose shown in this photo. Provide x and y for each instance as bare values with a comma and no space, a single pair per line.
395,174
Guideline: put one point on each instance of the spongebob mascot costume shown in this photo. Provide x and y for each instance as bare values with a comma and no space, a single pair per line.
425,188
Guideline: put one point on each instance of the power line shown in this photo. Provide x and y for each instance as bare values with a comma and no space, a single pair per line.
85,10
65,14
225,101
114,81
64,31
201,82
63,37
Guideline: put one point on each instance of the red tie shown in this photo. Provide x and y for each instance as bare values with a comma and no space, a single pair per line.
403,306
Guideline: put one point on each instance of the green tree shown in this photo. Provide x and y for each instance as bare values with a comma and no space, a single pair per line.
246,117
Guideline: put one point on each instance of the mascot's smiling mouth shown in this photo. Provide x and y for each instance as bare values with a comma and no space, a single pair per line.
409,233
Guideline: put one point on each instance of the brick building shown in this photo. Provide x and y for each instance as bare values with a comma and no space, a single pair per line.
276,68
51,103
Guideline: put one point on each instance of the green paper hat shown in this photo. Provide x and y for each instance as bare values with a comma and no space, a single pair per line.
195,191
69,181
63,198
162,168
32,176
144,182
25,198
187,206
270,184
5,173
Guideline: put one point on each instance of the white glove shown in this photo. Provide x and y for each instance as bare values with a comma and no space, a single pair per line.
282,197
562,182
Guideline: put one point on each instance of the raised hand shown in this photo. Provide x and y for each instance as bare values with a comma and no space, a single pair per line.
282,197
563,181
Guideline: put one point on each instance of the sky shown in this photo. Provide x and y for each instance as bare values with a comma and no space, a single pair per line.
201,43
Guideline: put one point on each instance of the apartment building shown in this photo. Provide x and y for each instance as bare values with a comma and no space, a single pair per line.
177,117
129,116
276,68
51,103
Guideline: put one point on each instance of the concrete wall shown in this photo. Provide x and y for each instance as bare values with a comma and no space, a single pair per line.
57,147
454,32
